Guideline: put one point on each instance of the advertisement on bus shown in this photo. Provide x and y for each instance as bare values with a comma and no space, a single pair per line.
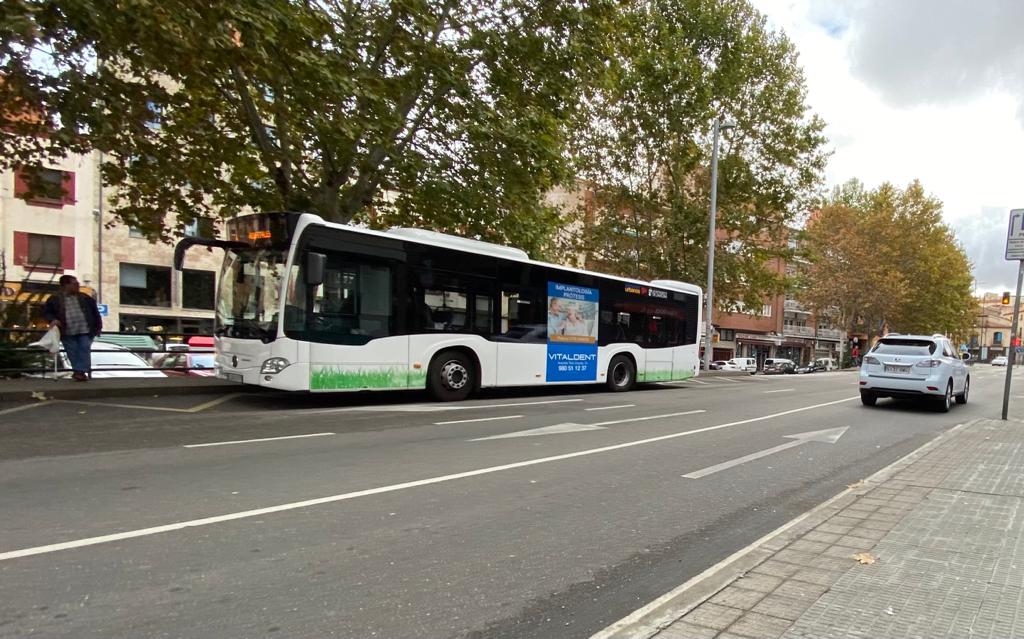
572,333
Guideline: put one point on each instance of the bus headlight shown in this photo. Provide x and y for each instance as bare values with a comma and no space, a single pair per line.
275,365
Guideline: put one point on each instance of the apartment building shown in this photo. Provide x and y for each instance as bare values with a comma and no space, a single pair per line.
50,224
47,229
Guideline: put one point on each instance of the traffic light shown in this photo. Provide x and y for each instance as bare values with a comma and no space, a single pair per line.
1006,299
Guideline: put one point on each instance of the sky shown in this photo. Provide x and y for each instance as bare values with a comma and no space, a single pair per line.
926,89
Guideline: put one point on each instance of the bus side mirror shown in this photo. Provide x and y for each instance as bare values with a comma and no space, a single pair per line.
316,264
965,356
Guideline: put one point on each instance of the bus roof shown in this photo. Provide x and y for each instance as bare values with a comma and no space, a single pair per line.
434,238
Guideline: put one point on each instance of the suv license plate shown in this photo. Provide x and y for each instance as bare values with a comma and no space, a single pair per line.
902,370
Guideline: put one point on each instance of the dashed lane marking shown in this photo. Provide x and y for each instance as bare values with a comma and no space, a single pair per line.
253,441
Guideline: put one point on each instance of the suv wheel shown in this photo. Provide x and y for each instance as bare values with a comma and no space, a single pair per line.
868,399
947,398
962,397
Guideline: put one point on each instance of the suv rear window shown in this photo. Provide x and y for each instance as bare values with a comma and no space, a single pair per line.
892,346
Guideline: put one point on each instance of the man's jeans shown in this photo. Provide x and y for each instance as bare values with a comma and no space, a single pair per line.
79,350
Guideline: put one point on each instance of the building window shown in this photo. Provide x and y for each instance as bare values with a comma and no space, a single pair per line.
727,334
997,337
144,285
49,187
200,227
197,289
44,250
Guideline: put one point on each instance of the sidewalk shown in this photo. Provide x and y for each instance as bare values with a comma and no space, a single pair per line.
932,546
25,388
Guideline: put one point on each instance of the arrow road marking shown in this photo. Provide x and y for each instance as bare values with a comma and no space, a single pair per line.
544,430
828,436
572,428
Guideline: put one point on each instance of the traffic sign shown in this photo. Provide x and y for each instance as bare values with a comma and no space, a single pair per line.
1015,236
104,309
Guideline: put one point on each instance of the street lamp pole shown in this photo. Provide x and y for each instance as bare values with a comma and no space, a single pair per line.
709,292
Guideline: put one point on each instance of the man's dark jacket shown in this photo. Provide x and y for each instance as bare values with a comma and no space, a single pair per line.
54,310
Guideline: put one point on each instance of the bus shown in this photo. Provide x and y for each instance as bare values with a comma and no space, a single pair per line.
307,305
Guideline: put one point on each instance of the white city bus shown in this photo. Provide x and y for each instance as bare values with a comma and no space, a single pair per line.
307,305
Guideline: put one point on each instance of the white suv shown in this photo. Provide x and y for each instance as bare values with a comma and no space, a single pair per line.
909,366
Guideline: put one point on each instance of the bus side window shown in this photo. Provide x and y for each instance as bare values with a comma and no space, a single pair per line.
522,317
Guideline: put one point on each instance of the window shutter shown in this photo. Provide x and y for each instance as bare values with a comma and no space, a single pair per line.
20,248
67,253
20,186
69,187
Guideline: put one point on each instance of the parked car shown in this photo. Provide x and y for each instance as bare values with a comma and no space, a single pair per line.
779,366
745,364
813,367
826,363
198,364
915,366
718,364
999,361
118,360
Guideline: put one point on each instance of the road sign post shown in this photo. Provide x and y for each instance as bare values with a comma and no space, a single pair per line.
1014,251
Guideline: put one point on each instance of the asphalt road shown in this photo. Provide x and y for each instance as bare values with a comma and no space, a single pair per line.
389,516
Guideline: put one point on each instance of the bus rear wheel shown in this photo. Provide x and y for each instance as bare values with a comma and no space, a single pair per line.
621,374
451,376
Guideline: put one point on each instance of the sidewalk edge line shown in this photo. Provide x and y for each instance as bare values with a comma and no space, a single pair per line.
632,624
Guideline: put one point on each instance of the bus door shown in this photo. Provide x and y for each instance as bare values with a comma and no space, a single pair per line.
658,323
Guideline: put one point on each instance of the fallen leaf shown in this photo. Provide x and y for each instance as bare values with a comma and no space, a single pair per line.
889,611
865,558
40,396
856,484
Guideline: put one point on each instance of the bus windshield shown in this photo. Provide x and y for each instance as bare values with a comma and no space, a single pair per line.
249,294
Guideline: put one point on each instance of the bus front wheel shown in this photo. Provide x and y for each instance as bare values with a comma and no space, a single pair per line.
451,376
621,374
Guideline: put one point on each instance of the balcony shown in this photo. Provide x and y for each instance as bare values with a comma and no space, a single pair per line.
830,333
798,331
793,306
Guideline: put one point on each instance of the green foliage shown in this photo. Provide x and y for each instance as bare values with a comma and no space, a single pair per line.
451,115
884,257
645,150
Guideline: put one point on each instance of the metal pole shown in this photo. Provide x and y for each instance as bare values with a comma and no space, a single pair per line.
1013,337
709,293
99,231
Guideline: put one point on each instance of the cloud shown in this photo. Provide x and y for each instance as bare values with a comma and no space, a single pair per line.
936,52
984,239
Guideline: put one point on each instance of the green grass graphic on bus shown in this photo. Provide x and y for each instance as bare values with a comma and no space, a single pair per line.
662,376
330,378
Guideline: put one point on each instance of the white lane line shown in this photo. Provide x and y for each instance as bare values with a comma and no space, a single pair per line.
611,407
135,406
780,390
434,408
729,379
16,409
479,419
251,441
245,514
697,381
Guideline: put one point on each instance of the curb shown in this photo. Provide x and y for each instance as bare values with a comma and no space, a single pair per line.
649,620
94,390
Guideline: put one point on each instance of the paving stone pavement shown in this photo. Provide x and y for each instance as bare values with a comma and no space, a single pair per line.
946,529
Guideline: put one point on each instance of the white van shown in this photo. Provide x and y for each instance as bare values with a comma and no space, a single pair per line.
826,363
746,364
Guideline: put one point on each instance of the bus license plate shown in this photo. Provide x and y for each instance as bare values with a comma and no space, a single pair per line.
902,370
232,377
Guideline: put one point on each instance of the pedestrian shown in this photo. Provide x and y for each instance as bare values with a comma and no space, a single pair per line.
855,355
79,321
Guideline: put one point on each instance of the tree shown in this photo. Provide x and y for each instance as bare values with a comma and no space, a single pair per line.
645,150
450,114
885,258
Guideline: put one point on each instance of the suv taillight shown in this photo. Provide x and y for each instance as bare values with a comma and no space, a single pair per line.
871,360
928,363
